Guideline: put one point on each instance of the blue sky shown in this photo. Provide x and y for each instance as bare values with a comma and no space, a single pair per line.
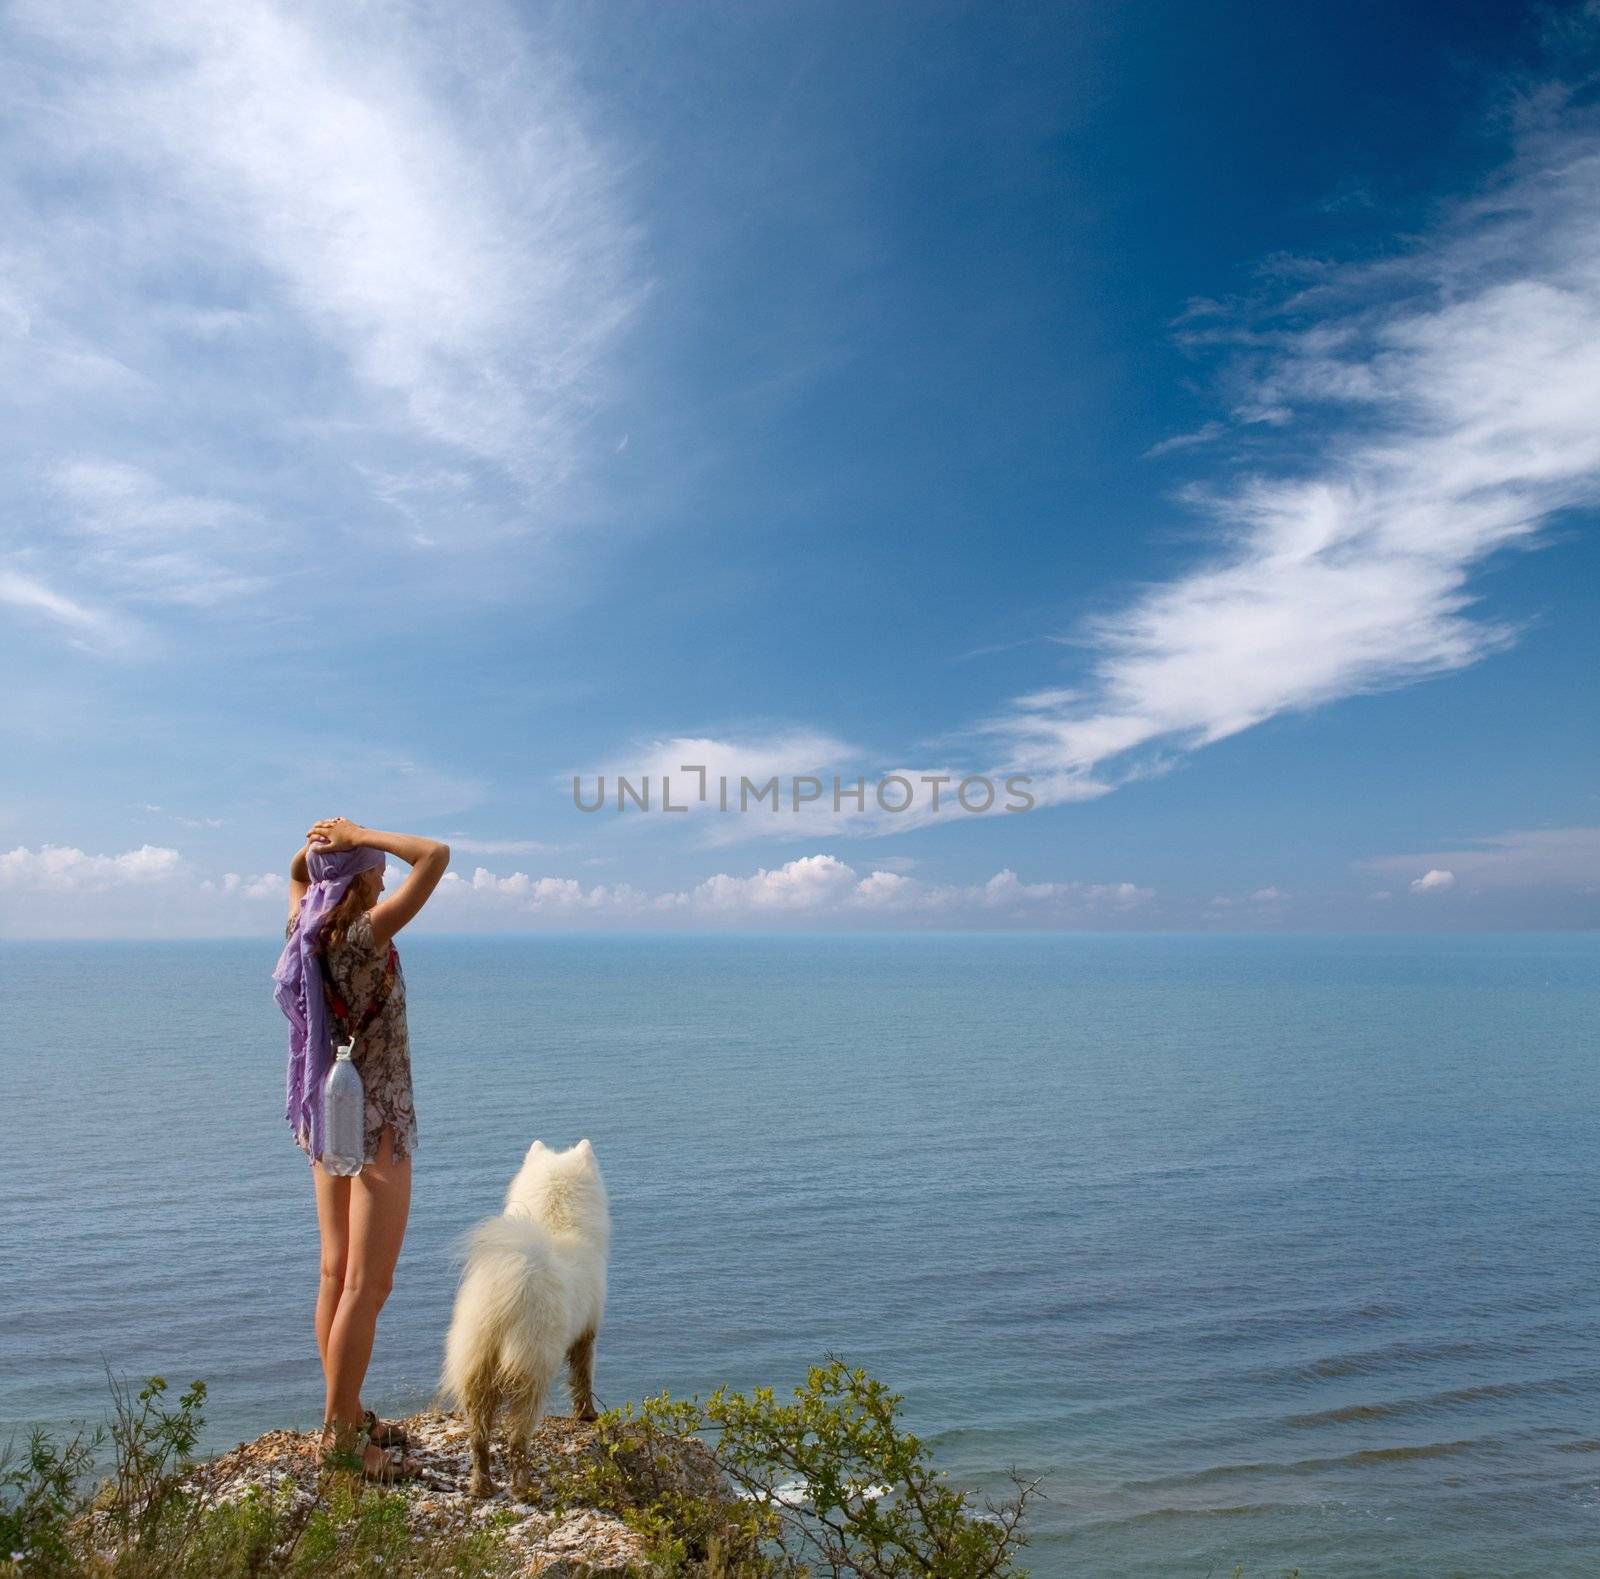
1191,409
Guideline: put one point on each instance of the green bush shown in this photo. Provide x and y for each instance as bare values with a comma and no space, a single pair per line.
39,1497
828,1483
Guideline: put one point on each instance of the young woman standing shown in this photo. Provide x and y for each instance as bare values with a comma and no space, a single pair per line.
339,975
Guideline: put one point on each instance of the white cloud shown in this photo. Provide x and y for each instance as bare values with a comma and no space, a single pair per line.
1436,408
152,543
1442,403
1262,906
782,754
181,820
462,845
881,890
24,592
814,882
1549,859
722,766
60,891
817,887
63,891
1006,889
1432,881
547,894
723,800
267,885
60,868
1186,441
464,254
388,240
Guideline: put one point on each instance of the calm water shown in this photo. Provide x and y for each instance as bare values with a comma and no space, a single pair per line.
1262,1250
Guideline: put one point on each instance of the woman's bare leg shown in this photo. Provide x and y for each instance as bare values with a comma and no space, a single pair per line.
380,1199
333,1223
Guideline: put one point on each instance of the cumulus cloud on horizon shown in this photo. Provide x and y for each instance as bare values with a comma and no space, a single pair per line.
814,885
154,890
161,892
1433,881
1528,859
56,868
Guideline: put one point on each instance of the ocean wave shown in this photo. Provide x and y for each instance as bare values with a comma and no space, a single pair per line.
1239,1510
1394,1356
1447,1398
1361,1458
796,1493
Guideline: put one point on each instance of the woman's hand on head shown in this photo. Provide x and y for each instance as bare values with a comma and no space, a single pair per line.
335,833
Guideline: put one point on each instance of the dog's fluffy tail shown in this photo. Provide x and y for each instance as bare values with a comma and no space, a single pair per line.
506,1260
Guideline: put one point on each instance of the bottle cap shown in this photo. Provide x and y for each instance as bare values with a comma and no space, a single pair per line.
346,1049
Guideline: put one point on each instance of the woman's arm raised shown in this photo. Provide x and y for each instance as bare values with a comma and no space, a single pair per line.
428,859
299,881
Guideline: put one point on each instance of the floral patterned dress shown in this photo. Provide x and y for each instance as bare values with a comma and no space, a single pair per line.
356,977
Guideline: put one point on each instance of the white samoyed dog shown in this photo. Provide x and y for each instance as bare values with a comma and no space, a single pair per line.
530,1301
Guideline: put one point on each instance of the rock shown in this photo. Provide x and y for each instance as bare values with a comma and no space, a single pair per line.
552,1542
587,1545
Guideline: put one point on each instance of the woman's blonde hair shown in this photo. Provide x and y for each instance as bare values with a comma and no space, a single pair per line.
354,904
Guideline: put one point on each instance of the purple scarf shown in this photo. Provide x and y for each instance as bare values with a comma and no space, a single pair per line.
298,986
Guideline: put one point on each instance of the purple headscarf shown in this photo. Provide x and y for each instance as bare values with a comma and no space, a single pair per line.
298,988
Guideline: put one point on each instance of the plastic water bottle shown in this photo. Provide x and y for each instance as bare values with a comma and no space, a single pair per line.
344,1111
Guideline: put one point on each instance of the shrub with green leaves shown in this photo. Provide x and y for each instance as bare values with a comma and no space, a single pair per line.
40,1493
827,1482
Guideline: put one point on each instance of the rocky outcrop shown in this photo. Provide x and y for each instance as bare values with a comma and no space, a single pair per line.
546,1536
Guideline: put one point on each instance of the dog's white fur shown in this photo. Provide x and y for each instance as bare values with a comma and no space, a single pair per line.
530,1301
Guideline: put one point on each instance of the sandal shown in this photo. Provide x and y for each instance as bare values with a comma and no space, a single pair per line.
343,1453
392,1466
383,1433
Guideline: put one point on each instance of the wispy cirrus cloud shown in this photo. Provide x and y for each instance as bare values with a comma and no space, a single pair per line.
34,597
279,276
464,844
1438,406
151,543
1432,408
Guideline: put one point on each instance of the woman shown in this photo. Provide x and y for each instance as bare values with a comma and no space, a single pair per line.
339,976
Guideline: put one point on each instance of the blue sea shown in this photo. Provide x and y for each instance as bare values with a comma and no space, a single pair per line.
1278,1251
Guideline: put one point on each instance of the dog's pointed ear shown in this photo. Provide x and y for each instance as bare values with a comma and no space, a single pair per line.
538,1145
584,1147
